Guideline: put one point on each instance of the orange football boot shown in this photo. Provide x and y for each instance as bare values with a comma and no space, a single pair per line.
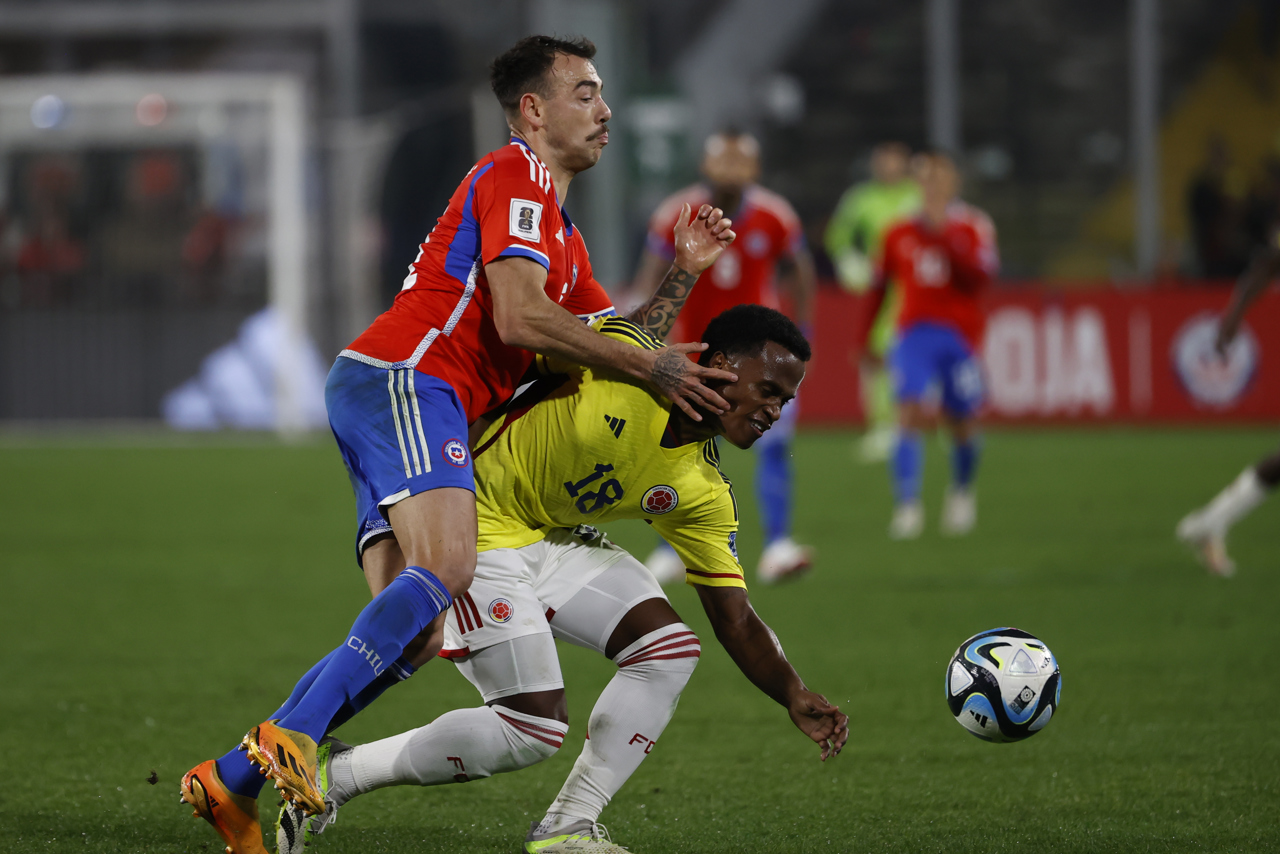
235,817
289,759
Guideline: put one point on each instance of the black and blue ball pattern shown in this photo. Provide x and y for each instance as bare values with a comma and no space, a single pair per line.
1003,685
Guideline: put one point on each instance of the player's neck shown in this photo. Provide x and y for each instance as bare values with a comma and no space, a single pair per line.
683,430
560,176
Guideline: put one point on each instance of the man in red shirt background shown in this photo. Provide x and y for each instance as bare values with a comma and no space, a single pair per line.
942,259
769,235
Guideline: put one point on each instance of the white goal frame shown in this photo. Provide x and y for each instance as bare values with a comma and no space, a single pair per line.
287,227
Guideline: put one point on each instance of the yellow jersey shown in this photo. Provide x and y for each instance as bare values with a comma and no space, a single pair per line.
590,452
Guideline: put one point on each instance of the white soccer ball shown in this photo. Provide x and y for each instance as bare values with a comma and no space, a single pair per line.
1003,685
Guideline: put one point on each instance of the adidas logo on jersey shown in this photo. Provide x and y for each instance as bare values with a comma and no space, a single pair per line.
616,425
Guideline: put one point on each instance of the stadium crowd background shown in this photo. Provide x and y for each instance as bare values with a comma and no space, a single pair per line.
103,238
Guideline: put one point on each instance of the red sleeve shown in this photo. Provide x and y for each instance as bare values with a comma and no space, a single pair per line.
792,230
875,295
588,299
510,209
973,258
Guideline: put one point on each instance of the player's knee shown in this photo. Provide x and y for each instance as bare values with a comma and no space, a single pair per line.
531,738
456,571
671,652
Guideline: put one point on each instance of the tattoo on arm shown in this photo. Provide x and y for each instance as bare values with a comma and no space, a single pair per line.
669,370
659,314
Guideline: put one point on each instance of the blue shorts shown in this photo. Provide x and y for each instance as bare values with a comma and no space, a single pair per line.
929,353
400,432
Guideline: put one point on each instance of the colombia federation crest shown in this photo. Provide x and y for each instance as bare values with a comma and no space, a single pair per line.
660,499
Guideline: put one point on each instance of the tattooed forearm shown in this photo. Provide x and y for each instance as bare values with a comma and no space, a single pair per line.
659,314
670,371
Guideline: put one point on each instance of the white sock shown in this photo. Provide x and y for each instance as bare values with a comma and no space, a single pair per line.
1235,502
632,712
458,746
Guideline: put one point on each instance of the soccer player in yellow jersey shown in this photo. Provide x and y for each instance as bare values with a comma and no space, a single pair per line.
596,447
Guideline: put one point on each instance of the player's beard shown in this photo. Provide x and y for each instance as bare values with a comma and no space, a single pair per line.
579,155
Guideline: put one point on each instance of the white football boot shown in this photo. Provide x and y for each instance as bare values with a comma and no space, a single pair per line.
1208,542
959,512
783,559
580,837
907,522
665,565
295,829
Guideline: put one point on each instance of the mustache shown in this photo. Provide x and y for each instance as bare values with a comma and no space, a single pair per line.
599,133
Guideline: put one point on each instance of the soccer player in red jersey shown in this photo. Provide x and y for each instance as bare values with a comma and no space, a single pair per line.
771,235
942,259
503,273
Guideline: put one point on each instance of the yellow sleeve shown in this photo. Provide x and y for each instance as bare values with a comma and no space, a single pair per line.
707,543
618,328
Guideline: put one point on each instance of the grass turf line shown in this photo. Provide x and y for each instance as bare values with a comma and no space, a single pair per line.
161,600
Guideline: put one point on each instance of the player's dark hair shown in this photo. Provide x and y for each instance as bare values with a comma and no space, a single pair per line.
744,330
524,67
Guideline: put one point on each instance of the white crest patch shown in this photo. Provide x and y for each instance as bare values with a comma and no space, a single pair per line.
526,220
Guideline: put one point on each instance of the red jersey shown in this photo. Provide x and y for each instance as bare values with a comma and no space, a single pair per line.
441,322
940,272
768,230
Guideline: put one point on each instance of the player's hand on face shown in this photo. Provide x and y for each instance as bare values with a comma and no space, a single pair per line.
684,381
700,241
821,721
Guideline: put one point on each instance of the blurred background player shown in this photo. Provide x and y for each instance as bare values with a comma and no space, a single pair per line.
769,233
941,259
1205,529
854,240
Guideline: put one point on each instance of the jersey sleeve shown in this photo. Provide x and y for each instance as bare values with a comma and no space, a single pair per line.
511,207
588,299
707,542
793,239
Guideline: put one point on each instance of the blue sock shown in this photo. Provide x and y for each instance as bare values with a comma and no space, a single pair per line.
399,671
964,462
773,489
240,774
906,465
412,600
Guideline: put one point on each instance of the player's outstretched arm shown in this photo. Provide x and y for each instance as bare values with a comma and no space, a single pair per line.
698,243
755,649
1262,269
526,318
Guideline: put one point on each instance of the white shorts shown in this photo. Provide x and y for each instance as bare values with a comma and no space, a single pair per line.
573,585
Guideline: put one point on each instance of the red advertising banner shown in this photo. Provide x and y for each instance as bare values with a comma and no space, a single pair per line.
1097,354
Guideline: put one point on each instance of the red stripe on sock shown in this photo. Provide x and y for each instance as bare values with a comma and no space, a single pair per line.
663,644
697,653
534,731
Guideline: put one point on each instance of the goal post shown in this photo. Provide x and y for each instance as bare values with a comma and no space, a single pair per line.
262,117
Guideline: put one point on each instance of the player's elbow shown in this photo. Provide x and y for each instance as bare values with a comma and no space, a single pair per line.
514,329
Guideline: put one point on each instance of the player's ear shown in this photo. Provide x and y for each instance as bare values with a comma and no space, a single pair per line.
718,360
532,110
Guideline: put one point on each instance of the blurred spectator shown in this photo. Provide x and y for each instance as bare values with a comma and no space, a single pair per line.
142,247
1217,226
49,260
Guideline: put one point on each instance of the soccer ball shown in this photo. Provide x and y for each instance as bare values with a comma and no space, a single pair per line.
1003,685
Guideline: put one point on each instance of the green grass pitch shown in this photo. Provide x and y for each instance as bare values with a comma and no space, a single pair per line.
161,595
